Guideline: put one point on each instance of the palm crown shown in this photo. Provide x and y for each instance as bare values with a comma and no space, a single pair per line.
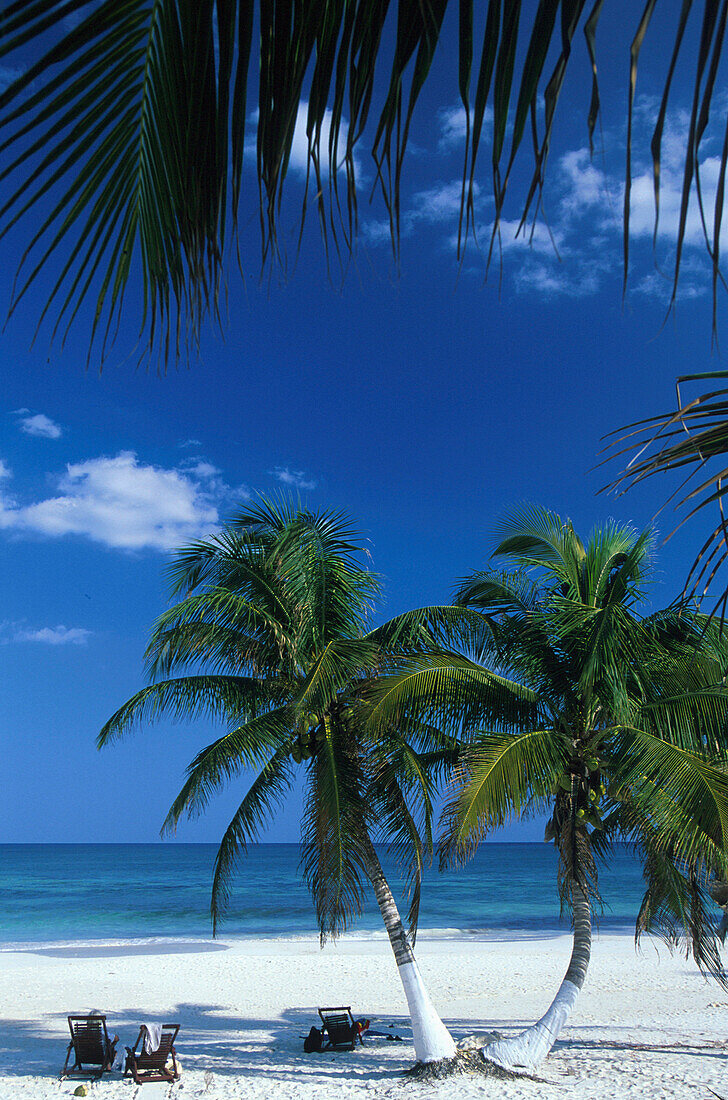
274,612
575,705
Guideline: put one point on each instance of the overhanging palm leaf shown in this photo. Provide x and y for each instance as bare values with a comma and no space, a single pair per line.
678,908
683,789
450,691
687,439
334,826
444,627
343,661
128,133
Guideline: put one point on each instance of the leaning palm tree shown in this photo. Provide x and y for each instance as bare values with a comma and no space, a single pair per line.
123,136
271,634
614,724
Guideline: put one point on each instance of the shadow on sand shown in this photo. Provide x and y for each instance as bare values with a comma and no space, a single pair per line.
211,1040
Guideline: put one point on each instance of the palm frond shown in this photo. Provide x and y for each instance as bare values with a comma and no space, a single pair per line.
132,125
685,792
257,809
450,692
334,833
436,627
531,536
686,439
227,757
677,908
189,697
342,662
496,781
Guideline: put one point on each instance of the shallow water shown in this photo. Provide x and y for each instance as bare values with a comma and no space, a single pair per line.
60,894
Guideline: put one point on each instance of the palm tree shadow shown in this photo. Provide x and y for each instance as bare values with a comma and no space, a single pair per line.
210,1039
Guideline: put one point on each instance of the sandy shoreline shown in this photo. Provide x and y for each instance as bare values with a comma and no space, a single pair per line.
646,1025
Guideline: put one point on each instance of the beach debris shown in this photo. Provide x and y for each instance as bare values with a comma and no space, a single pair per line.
479,1040
465,1062
81,1090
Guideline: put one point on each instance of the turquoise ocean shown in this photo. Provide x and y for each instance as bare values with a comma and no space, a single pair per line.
65,894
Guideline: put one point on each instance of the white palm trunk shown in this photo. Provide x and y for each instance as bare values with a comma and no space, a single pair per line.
432,1040
527,1050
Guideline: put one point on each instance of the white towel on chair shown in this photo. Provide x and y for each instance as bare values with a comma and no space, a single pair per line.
152,1038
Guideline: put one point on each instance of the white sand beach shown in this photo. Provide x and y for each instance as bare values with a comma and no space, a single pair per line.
647,1025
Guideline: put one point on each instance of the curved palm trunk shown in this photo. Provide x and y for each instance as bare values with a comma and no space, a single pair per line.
432,1040
530,1048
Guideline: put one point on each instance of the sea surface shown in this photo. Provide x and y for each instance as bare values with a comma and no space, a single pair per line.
65,894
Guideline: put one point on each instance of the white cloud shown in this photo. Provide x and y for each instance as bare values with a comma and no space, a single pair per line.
295,479
54,635
576,245
556,282
659,286
5,470
202,469
123,504
299,159
642,205
190,443
453,127
41,425
240,492
438,205
531,238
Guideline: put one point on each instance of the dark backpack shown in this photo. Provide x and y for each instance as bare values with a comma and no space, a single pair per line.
314,1040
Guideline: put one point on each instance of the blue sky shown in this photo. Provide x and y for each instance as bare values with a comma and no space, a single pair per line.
423,402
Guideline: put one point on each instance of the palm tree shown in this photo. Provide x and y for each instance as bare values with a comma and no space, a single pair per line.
124,134
271,633
574,705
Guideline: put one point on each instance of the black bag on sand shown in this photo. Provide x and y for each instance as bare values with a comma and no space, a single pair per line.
313,1041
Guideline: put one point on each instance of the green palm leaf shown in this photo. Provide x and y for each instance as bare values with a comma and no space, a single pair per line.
342,662
223,760
694,789
450,692
334,834
685,439
130,128
257,809
497,781
188,697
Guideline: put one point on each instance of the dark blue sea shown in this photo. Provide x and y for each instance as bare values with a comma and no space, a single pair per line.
90,893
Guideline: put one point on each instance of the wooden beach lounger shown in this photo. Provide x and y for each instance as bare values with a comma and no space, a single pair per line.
91,1047
339,1027
153,1067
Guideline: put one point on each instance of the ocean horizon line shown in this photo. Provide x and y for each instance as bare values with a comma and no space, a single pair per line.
215,844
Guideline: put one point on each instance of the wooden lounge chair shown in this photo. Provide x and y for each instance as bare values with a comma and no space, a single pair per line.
339,1027
91,1047
153,1067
